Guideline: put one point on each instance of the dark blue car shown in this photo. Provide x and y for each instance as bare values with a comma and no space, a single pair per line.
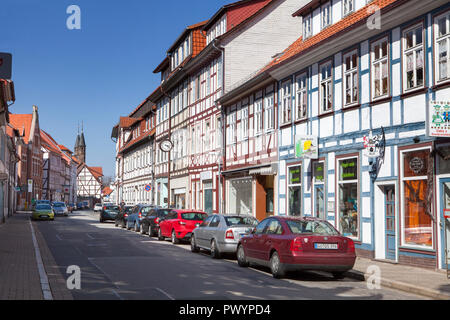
137,214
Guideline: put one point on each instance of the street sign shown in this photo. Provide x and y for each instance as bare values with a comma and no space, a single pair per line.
148,188
447,213
30,185
5,65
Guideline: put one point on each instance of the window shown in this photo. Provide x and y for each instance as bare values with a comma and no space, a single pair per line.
326,15
348,213
218,132
244,122
413,58
286,101
207,135
442,45
231,134
301,98
348,6
380,66
269,112
307,27
326,90
260,227
319,189
295,191
258,115
274,227
351,83
417,223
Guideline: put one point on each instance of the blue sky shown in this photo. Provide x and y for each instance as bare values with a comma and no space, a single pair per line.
95,74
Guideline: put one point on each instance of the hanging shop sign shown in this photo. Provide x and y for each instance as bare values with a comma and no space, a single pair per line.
306,147
373,145
439,119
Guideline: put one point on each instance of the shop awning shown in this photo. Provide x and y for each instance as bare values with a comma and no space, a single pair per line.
265,171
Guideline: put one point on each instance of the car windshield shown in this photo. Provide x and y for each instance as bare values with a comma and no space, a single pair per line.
58,205
237,221
43,207
315,227
193,216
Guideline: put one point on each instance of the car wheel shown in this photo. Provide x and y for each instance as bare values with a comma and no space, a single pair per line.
338,275
151,232
160,236
215,253
174,238
194,247
101,220
276,267
242,260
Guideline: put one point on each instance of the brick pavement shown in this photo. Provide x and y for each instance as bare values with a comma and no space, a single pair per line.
19,275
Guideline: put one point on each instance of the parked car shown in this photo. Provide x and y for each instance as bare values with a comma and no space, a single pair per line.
150,223
179,224
137,214
59,208
122,216
288,243
80,206
98,207
109,212
221,233
43,212
70,207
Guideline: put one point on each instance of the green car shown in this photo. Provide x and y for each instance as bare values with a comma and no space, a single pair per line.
43,212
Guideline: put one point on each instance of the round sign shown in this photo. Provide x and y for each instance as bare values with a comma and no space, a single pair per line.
416,165
148,188
166,145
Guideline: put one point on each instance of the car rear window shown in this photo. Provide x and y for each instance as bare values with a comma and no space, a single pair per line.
114,208
237,221
43,207
193,216
314,227
59,205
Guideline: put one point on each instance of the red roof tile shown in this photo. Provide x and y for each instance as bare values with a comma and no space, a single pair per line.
22,122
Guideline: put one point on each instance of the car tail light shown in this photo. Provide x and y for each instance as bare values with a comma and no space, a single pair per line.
229,235
351,246
140,215
104,208
125,215
296,244
156,220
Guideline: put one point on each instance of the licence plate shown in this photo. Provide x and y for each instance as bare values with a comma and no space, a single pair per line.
326,246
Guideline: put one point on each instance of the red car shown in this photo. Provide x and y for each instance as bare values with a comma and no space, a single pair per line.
289,244
179,224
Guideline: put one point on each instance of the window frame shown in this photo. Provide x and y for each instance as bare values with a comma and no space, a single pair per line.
286,97
352,72
436,40
307,31
380,61
269,108
413,49
344,13
326,21
321,82
290,185
304,90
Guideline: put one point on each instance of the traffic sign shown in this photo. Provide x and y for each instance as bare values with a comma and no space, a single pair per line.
148,188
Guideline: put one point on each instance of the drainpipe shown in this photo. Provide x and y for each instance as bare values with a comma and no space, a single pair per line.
221,151
170,152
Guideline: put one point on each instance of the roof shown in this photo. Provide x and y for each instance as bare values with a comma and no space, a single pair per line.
300,46
126,122
22,122
310,6
185,32
96,171
50,144
244,15
107,191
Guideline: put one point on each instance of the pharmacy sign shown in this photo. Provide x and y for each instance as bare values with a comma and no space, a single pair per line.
439,119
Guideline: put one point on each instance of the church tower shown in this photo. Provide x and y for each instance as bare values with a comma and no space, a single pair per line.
80,146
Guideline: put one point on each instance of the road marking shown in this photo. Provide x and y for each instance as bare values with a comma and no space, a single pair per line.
107,277
45,286
58,237
165,293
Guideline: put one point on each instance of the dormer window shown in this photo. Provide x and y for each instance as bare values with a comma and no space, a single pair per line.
307,28
326,15
348,6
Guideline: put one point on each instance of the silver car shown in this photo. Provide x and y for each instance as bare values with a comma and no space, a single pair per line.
221,233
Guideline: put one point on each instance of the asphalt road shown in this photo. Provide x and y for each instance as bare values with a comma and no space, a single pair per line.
117,264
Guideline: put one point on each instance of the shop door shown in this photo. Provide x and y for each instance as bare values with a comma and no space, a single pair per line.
389,206
445,223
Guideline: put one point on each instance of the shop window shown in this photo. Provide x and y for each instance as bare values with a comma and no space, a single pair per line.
348,197
417,225
295,191
240,196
